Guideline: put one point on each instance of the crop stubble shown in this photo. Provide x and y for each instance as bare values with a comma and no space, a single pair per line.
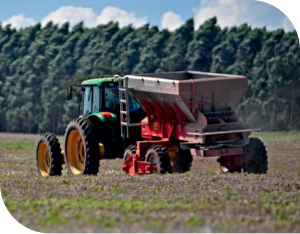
201,200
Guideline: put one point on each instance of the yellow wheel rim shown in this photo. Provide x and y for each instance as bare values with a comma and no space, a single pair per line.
44,159
75,152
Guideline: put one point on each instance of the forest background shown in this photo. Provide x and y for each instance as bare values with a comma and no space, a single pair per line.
38,63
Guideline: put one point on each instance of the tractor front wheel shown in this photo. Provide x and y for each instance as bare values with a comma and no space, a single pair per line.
48,155
158,155
82,153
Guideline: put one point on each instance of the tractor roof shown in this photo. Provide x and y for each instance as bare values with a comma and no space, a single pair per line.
99,81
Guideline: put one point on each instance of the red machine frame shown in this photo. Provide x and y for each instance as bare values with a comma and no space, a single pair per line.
163,126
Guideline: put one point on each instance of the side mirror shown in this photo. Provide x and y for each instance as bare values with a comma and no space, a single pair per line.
70,93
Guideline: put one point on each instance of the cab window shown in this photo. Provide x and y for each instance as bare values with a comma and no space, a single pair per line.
96,99
87,101
111,98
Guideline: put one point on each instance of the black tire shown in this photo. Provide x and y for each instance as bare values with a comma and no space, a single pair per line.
256,157
183,161
48,155
82,158
129,151
158,155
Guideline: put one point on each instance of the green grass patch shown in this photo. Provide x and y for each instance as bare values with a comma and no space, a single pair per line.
19,147
270,135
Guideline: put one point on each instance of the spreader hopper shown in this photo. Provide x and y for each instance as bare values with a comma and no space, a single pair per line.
194,110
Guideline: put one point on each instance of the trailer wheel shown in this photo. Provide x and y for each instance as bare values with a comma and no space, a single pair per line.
82,153
129,151
48,155
183,161
158,155
256,159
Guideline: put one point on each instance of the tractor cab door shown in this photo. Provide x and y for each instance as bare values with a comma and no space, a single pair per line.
87,101
92,100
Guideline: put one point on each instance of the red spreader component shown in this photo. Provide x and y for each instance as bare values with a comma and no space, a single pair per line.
149,110
161,116
171,116
133,167
180,115
162,126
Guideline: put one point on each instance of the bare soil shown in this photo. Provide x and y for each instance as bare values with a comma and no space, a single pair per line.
202,200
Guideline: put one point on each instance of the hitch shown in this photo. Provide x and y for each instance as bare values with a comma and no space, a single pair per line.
134,167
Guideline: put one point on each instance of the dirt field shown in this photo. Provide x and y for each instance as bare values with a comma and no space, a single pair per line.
201,200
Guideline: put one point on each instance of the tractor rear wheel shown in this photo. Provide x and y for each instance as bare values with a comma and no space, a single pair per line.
158,155
82,153
183,161
48,155
256,159
129,151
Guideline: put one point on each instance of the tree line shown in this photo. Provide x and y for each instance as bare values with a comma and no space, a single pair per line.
38,63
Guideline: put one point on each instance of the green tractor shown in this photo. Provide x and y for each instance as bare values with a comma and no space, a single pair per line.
94,135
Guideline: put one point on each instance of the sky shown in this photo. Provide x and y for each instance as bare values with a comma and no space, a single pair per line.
169,14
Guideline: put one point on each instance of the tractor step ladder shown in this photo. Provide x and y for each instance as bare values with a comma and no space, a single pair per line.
124,111
124,101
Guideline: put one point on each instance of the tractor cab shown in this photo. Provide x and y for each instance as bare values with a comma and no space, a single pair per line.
101,96
96,101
